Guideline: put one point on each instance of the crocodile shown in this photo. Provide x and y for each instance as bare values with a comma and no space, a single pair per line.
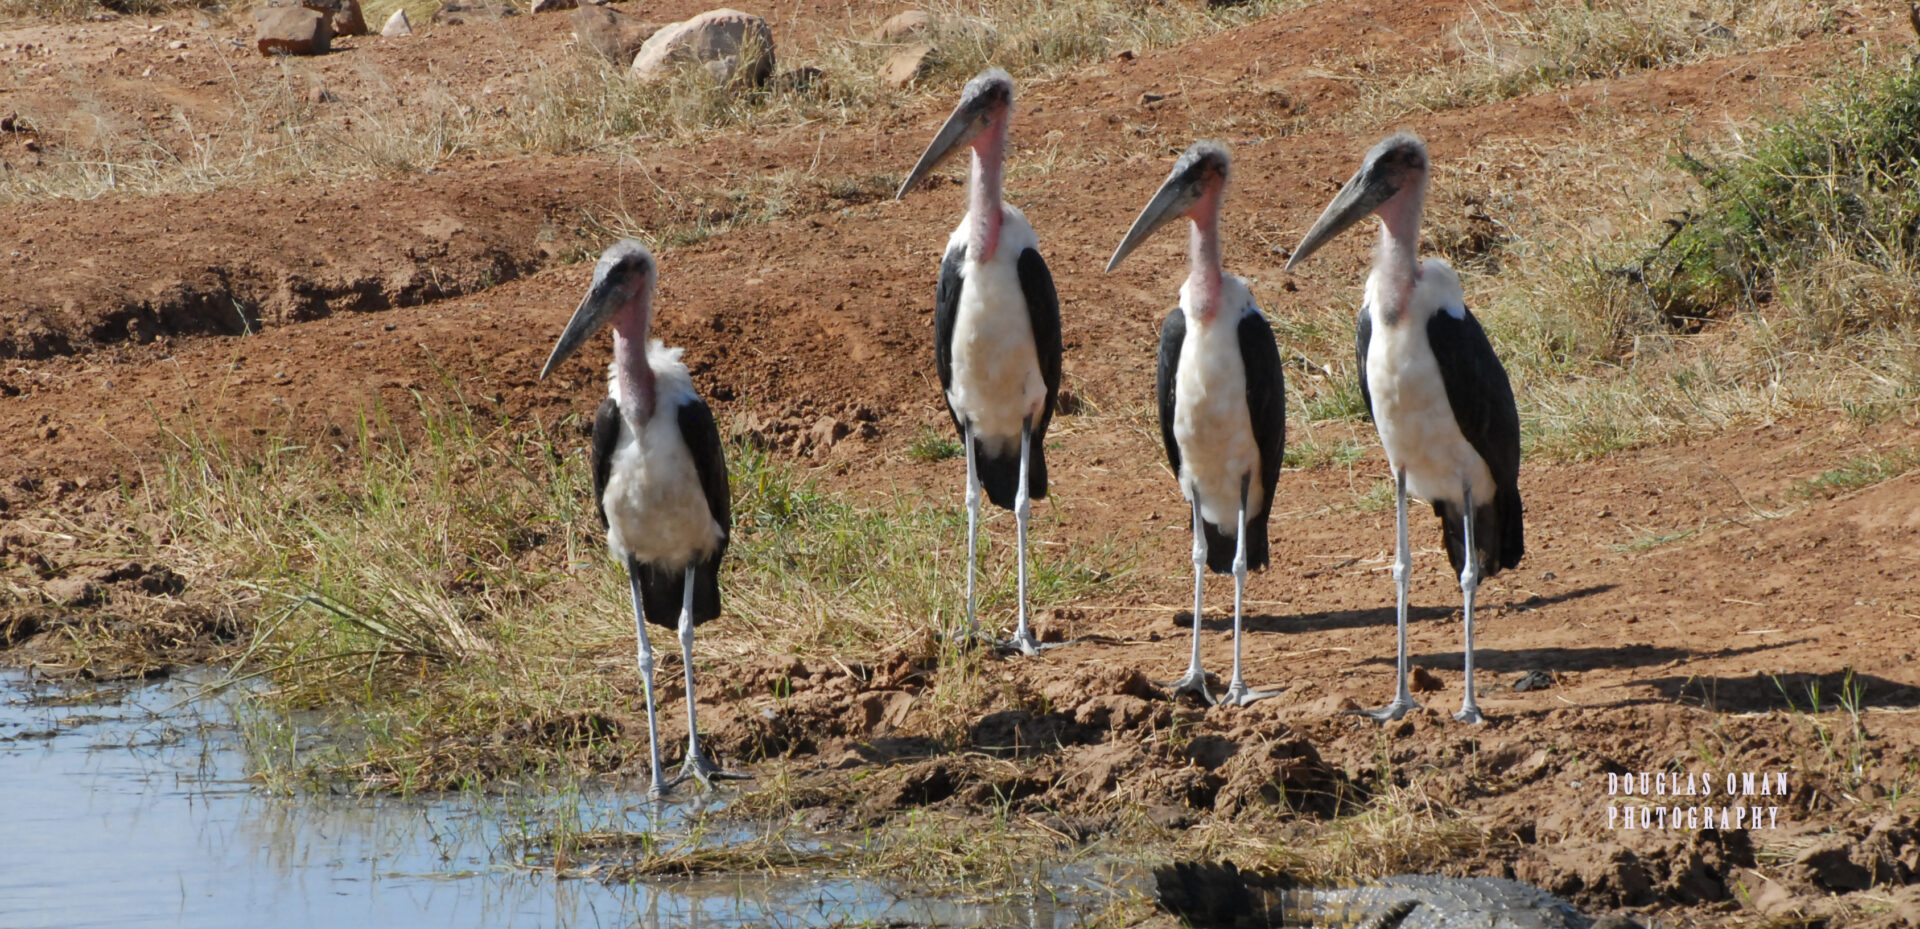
1220,896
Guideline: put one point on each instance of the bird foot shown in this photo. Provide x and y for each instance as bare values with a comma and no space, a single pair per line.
1027,645
1388,713
1193,682
1239,694
970,638
1470,714
702,769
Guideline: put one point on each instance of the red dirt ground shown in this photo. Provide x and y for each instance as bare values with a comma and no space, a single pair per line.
120,310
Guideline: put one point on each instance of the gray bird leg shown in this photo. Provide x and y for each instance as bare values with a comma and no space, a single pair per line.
1023,640
697,766
1402,576
1238,693
1469,585
658,786
1195,681
973,528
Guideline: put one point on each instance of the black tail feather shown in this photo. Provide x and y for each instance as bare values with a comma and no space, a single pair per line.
1497,532
1220,545
662,591
1000,474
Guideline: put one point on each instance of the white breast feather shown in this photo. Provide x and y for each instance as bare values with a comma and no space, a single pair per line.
1211,422
1410,406
656,510
996,367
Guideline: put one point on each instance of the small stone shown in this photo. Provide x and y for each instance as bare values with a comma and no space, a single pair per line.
907,65
554,6
741,42
903,26
292,31
1424,681
349,20
1533,680
461,12
397,25
72,591
611,34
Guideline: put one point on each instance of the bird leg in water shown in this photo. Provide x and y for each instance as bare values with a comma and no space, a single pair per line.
1402,576
1195,680
658,786
973,527
1469,585
697,766
1238,693
1023,640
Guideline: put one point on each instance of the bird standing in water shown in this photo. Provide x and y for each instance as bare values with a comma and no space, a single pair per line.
659,480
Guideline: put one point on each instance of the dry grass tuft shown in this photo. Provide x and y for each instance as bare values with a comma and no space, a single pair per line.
1502,54
437,580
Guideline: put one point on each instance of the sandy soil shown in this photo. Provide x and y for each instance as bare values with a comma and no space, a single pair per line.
1695,655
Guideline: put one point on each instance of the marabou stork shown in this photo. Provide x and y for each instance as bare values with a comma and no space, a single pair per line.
1435,389
659,479
1223,399
996,330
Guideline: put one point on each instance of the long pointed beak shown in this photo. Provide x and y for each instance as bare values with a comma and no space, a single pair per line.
961,127
1174,198
589,318
1363,194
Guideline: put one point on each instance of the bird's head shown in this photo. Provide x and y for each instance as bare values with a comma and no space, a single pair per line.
1192,190
1391,181
984,104
621,292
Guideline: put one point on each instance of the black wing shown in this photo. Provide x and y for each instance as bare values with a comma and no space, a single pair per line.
606,435
946,309
1266,398
1483,405
1043,310
1173,334
702,436
1362,334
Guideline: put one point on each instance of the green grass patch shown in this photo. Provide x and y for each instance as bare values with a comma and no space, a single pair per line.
930,445
1819,214
1314,454
438,584
1339,400
1857,473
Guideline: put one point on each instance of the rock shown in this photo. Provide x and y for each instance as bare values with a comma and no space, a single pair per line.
72,591
1533,680
348,20
611,34
907,65
554,6
903,26
397,25
1423,681
826,433
294,30
1828,866
462,12
732,46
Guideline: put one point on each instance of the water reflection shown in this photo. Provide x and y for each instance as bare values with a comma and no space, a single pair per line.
130,808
